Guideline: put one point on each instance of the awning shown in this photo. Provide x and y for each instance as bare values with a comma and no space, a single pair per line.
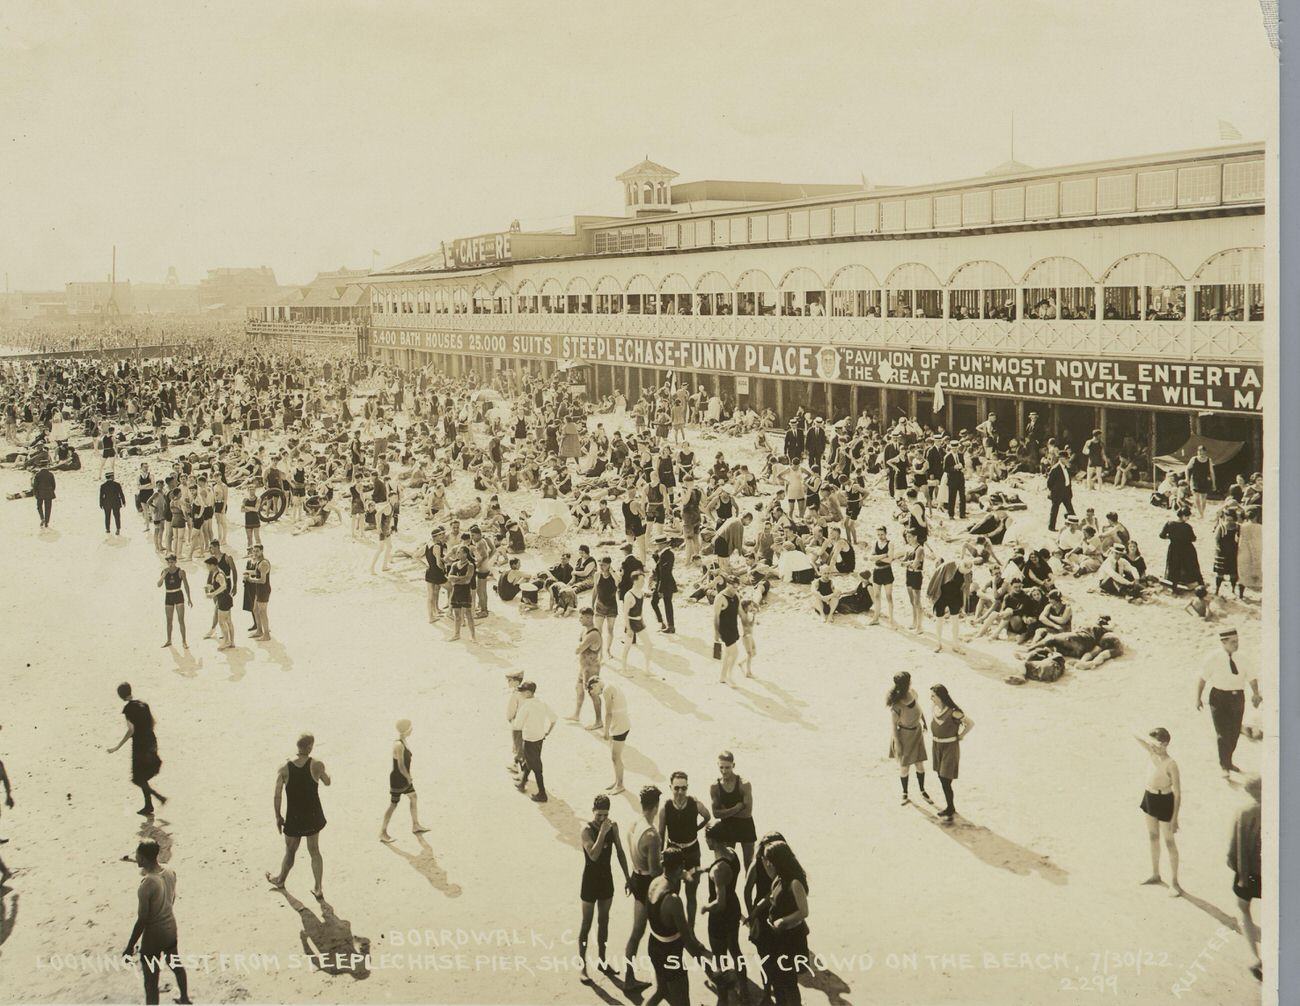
1220,452
438,275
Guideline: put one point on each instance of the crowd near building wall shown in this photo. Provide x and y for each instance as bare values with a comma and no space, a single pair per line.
1142,314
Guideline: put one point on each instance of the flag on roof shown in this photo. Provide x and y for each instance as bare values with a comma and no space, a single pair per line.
1227,131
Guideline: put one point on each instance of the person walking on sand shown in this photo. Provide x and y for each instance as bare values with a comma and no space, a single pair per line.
534,721
634,633
1227,697
43,489
155,924
145,762
617,725
177,594
1161,803
401,784
111,501
726,627
299,780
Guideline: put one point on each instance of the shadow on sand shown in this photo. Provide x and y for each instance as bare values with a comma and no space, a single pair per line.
328,942
993,849
426,865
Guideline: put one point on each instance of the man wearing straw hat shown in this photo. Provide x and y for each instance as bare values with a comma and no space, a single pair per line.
1227,697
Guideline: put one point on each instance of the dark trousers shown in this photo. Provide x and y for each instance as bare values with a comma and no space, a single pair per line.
655,598
44,507
1068,503
533,764
114,514
1227,710
957,497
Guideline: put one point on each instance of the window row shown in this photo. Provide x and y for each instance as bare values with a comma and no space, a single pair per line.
1120,192
1226,287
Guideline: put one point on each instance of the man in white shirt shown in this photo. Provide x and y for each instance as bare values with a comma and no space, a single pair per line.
1070,538
513,680
1117,575
534,721
1227,697
617,725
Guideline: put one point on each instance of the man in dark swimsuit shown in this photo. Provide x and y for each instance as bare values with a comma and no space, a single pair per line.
671,937
680,821
304,817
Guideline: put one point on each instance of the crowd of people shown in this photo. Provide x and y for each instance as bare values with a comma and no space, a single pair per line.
634,515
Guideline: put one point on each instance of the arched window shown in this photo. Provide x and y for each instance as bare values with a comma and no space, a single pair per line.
526,298
649,193
756,294
713,295
1144,286
640,295
914,291
982,289
501,299
855,293
1060,287
675,295
552,297
578,296
1229,286
803,293
609,296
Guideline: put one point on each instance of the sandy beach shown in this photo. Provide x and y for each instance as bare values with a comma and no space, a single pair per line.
1033,892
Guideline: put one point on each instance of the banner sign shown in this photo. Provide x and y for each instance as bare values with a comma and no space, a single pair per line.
486,249
533,347
1164,384
757,359
1171,384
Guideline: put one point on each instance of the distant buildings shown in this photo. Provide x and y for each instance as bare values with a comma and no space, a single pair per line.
333,309
231,291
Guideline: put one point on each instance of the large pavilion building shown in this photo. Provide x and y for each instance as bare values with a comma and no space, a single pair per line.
1123,295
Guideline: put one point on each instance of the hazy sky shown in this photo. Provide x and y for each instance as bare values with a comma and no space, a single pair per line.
305,135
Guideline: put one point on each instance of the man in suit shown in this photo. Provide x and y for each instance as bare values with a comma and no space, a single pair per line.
955,472
665,586
43,490
1059,490
111,501
815,444
794,442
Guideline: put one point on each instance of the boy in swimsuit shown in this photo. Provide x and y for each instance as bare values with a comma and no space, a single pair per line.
1161,802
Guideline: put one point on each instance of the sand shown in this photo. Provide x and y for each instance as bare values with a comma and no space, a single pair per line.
1034,891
